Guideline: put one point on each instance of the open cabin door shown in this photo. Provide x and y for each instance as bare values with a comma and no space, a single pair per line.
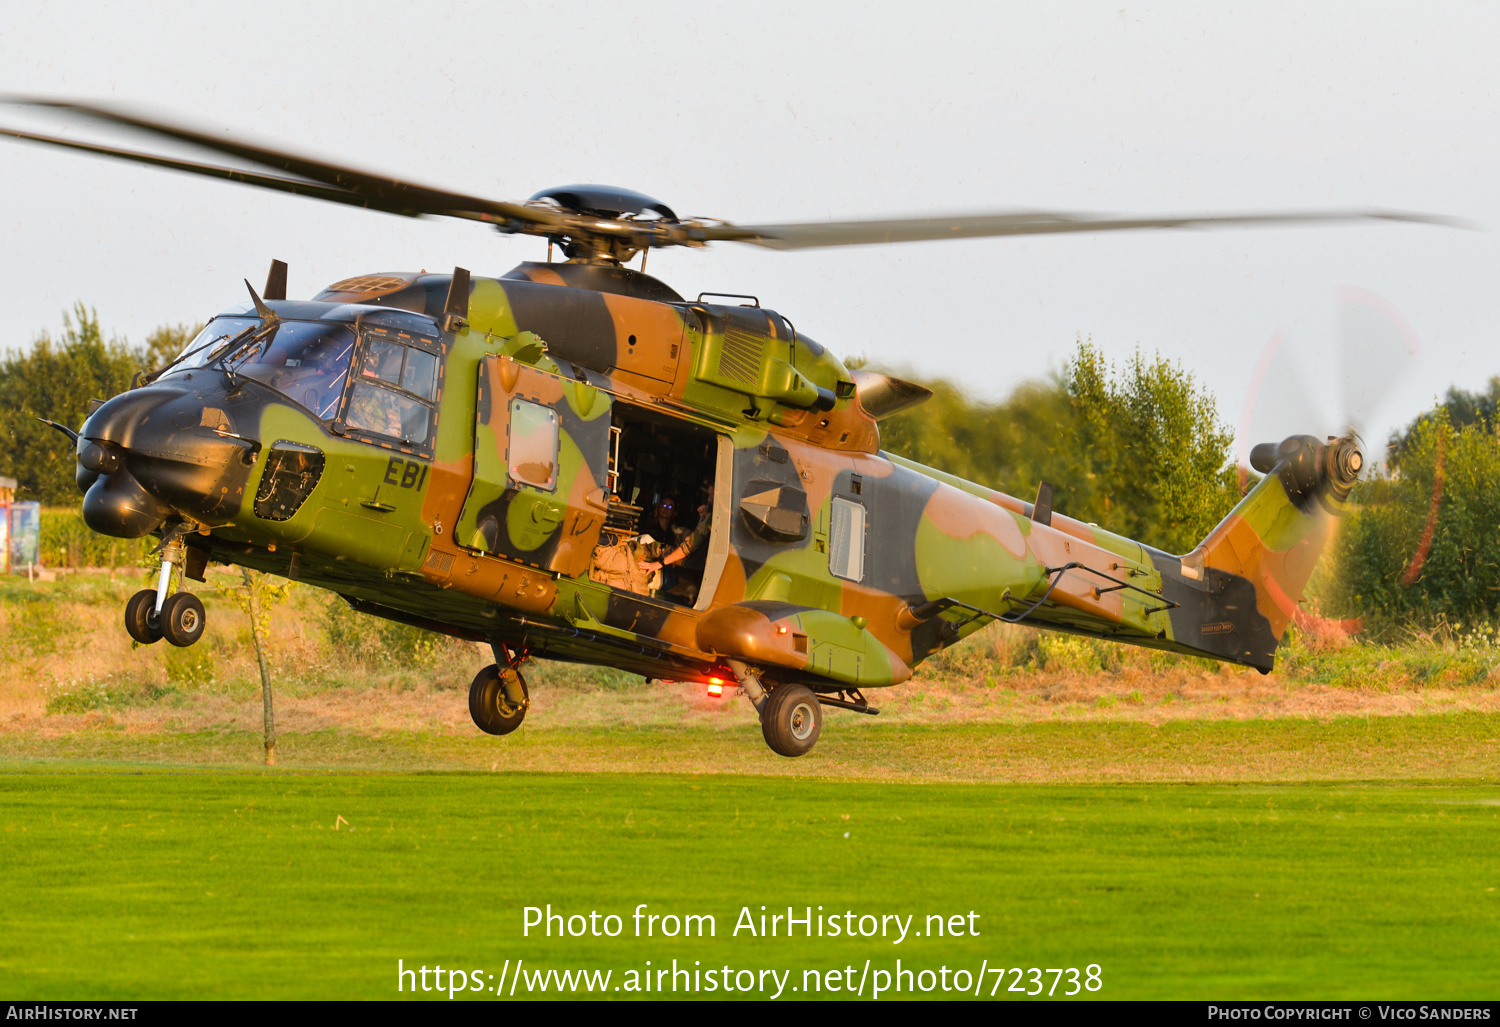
541,453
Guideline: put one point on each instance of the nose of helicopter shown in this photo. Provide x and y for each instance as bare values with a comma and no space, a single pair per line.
166,451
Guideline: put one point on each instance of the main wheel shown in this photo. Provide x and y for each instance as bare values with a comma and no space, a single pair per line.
493,712
791,719
182,619
141,620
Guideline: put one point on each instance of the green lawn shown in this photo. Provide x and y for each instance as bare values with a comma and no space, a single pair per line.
149,882
1427,748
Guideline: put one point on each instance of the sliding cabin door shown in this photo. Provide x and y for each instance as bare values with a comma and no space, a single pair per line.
541,455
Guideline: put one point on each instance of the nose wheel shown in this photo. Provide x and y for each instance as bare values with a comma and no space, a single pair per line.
182,619
141,620
152,615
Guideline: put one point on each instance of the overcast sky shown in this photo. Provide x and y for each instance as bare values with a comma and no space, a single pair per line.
776,112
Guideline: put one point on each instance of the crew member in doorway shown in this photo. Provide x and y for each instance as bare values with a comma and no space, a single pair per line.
665,555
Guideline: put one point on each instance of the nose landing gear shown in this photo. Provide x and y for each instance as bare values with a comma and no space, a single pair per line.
152,615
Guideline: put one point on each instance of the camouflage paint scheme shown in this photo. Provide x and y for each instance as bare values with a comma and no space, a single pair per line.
440,535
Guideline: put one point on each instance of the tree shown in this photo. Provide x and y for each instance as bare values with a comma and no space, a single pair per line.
1140,451
166,343
56,379
1157,453
1462,409
257,598
1010,445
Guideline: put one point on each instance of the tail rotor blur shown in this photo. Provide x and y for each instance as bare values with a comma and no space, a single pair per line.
1289,395
1376,350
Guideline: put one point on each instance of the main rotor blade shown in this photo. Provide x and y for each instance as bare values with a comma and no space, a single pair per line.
863,233
286,185
388,191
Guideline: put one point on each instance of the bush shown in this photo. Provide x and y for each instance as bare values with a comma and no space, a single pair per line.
108,692
370,639
32,627
1393,568
68,542
1061,652
192,667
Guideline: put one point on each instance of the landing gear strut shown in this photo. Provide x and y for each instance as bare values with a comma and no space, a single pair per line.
152,614
498,697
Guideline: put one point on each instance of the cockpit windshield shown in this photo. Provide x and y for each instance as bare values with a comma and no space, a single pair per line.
307,361
211,343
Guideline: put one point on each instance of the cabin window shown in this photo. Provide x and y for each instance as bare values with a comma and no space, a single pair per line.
846,539
533,445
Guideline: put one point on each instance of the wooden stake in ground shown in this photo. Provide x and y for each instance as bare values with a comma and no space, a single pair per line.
253,602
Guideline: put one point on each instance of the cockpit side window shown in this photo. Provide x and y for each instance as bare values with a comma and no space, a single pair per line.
377,380
394,388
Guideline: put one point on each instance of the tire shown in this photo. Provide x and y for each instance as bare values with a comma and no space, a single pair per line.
791,720
492,712
141,621
182,619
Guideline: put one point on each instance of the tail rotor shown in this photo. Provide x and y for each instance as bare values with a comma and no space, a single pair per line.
1376,350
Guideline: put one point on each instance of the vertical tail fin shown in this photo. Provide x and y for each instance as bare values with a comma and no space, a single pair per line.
1256,563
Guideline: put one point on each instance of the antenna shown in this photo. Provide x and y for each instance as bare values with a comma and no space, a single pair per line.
266,313
276,281
456,306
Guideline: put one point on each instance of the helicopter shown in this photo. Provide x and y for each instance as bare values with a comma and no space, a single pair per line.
507,459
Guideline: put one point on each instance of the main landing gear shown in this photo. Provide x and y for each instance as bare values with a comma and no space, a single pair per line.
791,718
498,697
152,615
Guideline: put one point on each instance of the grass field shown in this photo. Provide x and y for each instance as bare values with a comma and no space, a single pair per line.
1432,748
144,883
